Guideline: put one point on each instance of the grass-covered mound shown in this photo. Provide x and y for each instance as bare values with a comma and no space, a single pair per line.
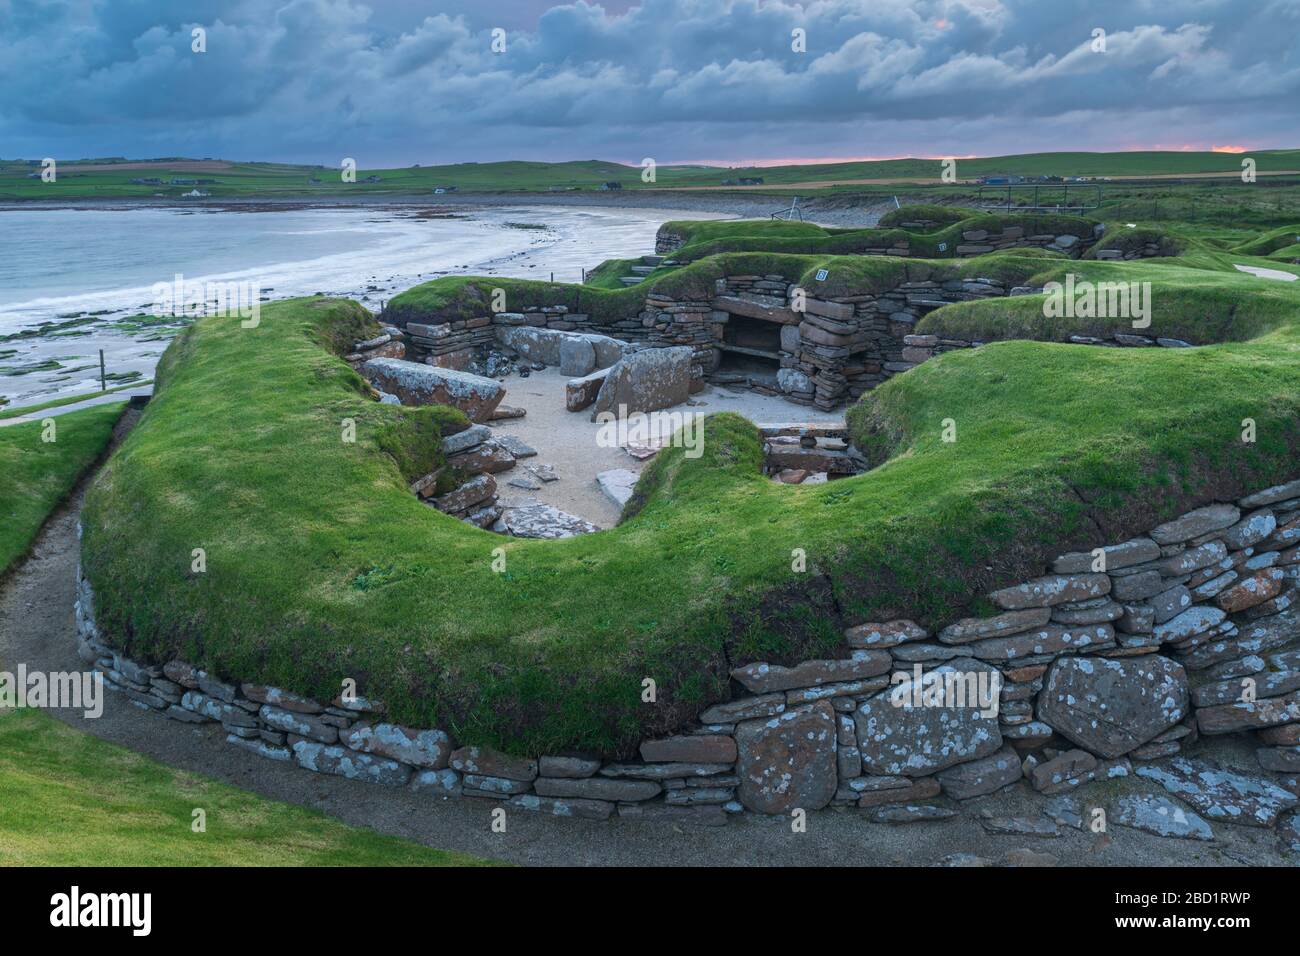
453,298
36,476
927,212
322,566
1125,239
1200,306
755,236
1282,244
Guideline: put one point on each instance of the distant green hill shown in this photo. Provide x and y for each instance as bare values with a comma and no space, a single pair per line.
88,178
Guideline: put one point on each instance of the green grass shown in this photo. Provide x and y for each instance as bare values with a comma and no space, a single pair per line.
70,799
36,476
110,179
1058,447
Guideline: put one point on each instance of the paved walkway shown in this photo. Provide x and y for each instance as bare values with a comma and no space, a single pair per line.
1268,273
37,627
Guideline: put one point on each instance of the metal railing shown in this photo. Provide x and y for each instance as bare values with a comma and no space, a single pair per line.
1015,195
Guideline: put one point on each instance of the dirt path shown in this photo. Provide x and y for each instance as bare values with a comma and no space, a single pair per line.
37,627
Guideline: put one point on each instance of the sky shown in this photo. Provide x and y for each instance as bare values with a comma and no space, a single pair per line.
396,82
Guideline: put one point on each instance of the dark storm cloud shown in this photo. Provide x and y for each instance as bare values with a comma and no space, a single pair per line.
678,80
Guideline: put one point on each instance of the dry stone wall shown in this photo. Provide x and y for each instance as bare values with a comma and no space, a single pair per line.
1113,662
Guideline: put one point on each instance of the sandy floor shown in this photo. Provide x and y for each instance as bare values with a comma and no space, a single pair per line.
570,441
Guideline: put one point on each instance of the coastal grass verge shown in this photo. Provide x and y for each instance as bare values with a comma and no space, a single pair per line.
67,798
36,476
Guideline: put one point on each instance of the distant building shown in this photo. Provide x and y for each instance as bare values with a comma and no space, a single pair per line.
195,194
371,179
444,189
611,186
1001,180
146,182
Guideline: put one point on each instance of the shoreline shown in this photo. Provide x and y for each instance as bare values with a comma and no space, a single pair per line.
834,210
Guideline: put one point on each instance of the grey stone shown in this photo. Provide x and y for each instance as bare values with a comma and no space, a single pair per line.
568,807
888,634
581,392
787,761
690,748
1139,586
1195,620
1064,811
538,520
617,484
577,357
1116,556
597,788
1169,604
912,813
1051,589
1288,831
1222,794
442,783
492,763
745,708
793,380
763,678
1279,759
1250,530
645,381
465,440
1196,523
261,748
663,771
430,749
1018,826
1112,706
213,709
567,766
1161,816
345,762
481,785
304,725
978,777
1249,715
1193,559
915,740
417,384
1012,622
1044,641
1272,684
286,700
516,446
